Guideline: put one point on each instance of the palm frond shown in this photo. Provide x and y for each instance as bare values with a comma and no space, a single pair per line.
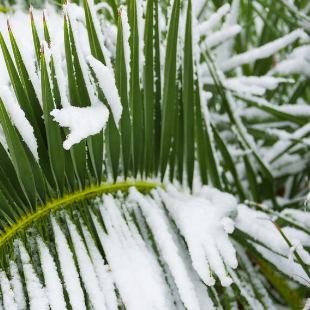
132,144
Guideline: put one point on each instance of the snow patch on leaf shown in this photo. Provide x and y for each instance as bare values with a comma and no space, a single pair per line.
82,122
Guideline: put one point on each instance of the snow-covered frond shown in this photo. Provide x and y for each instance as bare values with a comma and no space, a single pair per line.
133,254
154,154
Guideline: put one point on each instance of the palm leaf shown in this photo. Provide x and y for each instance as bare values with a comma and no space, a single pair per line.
159,125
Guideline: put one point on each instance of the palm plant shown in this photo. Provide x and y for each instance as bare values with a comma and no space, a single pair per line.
153,156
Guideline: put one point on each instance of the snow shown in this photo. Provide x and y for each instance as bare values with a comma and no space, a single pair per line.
7,293
281,146
246,291
37,295
19,119
296,109
284,265
268,82
103,5
222,35
236,84
136,271
27,52
224,51
17,287
302,217
107,84
62,80
258,225
214,19
141,26
79,35
105,51
52,282
170,251
207,119
68,269
82,122
200,217
126,36
86,268
293,66
191,231
102,272
263,51
233,305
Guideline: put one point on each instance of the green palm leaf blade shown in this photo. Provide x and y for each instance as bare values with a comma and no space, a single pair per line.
121,84
78,155
112,133
55,150
258,287
37,110
78,151
35,119
211,158
113,5
8,215
47,37
202,149
95,142
19,158
240,130
135,101
241,294
102,245
113,146
188,89
230,299
157,103
95,147
179,135
31,94
55,87
168,103
251,175
10,177
94,43
148,79
11,195
69,168
229,162
266,36
174,146
37,173
35,36
278,113
176,160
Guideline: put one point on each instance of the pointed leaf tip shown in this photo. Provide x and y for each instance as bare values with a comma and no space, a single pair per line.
8,23
120,10
31,12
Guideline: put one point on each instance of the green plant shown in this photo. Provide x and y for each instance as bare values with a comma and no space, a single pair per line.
131,210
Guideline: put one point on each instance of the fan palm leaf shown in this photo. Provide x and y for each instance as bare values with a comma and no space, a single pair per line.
153,157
